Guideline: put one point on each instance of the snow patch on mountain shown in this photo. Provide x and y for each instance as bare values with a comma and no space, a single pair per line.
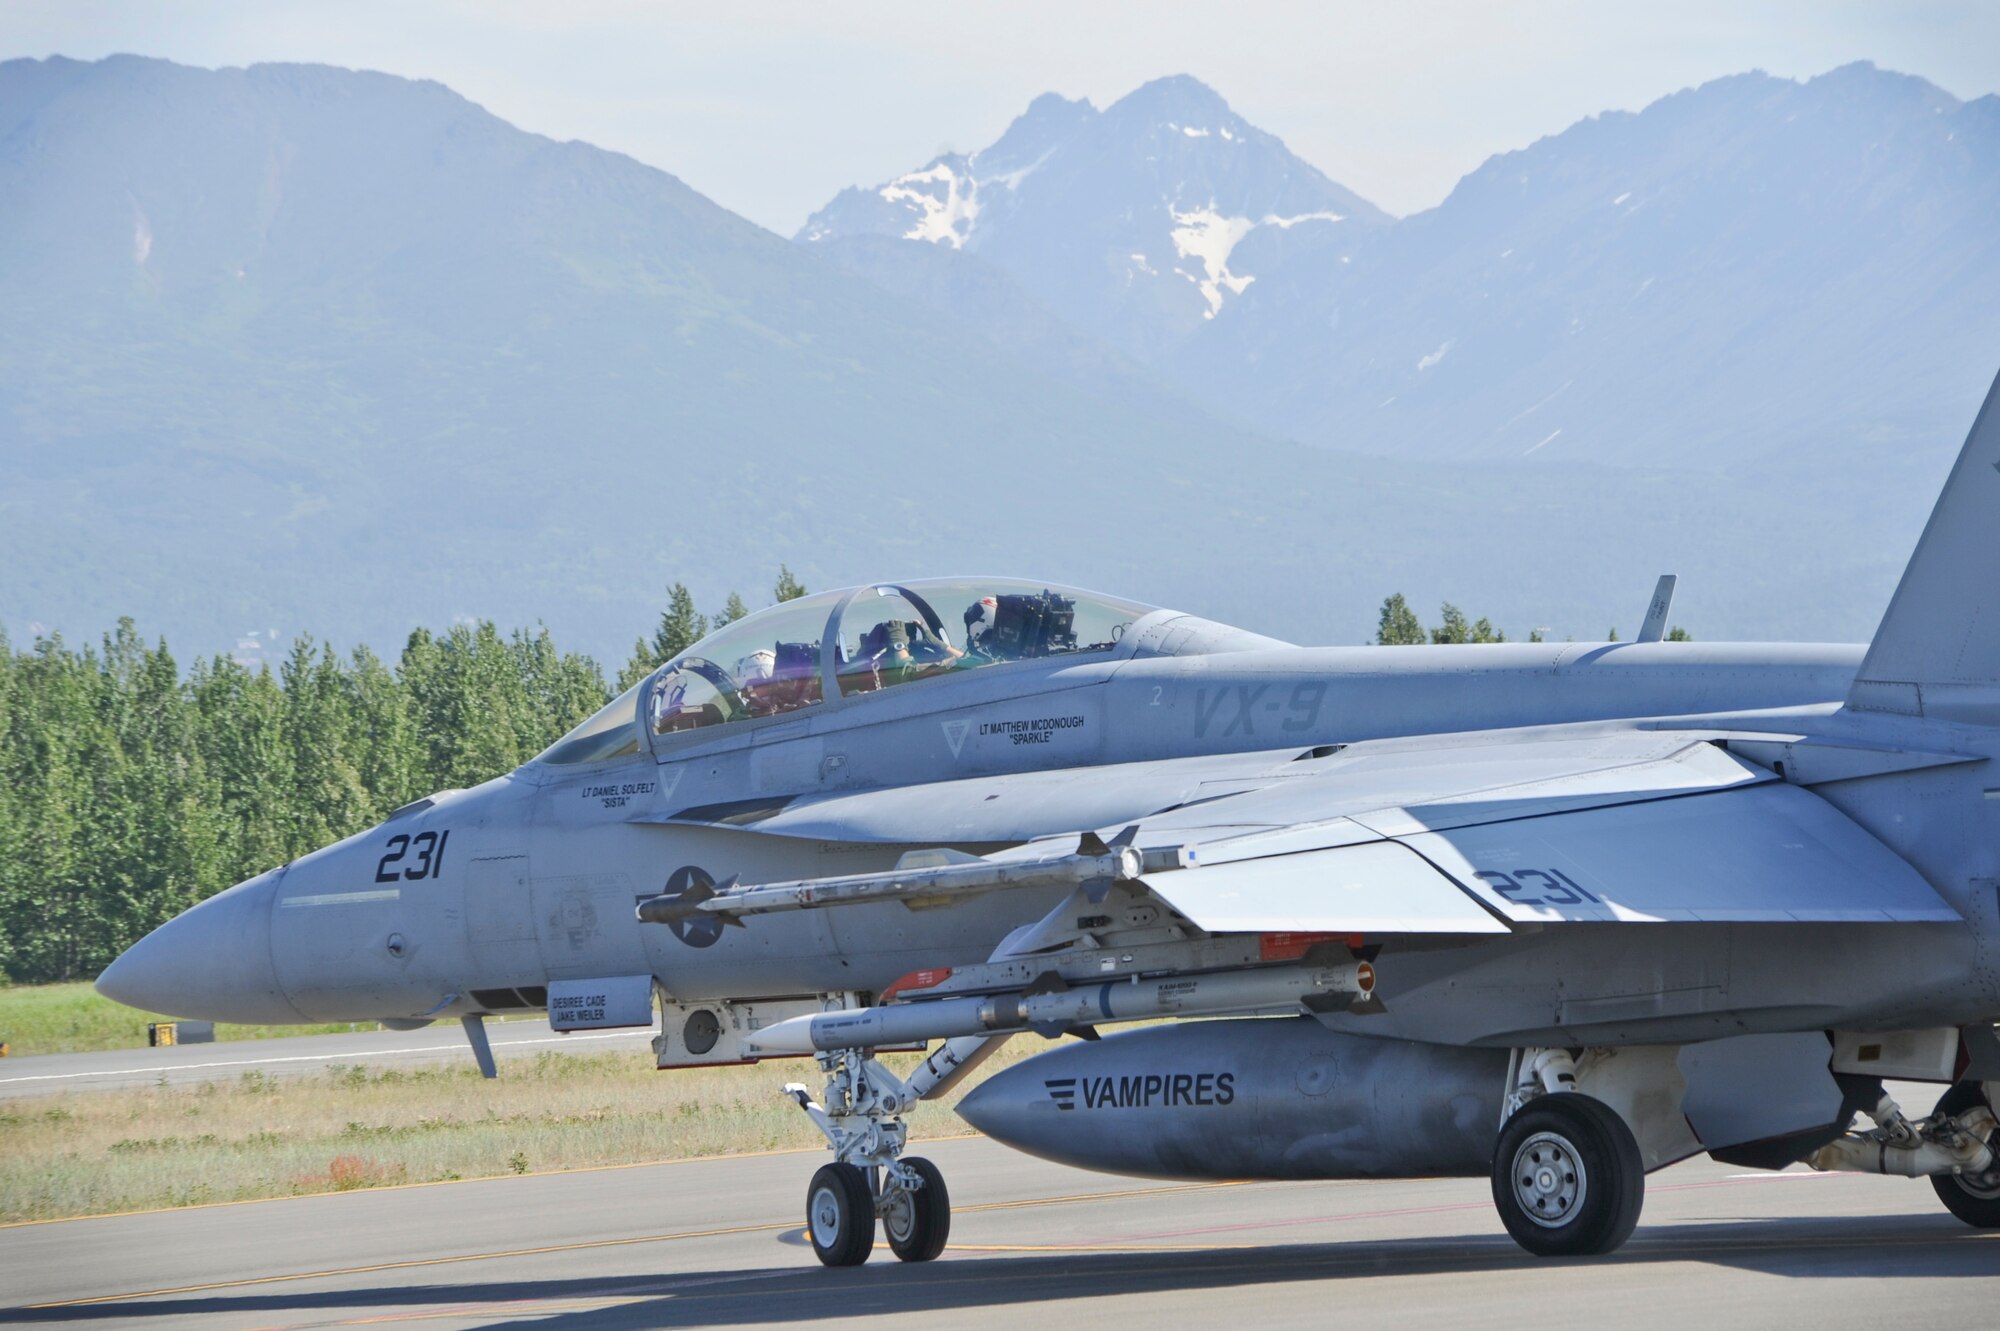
945,203
1287,223
1137,223
1206,235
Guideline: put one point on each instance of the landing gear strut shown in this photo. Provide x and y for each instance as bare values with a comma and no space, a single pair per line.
1972,1197
870,1178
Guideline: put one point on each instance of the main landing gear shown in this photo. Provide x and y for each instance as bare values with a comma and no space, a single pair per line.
870,1177
1972,1196
1957,1147
1567,1175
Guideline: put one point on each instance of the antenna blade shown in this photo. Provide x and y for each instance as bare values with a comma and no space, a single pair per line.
1655,627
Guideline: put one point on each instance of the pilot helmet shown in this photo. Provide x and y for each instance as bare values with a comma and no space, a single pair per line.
979,620
759,665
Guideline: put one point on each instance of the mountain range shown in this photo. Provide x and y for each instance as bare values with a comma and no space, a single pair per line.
1754,271
329,350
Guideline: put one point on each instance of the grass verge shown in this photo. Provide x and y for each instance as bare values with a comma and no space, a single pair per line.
75,1018
352,1127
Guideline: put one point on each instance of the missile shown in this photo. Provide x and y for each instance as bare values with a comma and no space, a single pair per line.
921,878
1127,999
1250,1098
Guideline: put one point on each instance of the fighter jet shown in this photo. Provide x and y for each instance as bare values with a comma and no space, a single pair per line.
1559,915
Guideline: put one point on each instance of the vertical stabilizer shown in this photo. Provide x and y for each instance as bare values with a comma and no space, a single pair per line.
1937,653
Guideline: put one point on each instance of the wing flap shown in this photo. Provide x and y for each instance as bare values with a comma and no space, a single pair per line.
1377,887
1763,853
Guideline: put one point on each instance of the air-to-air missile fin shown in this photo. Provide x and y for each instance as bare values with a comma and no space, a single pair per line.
1090,843
676,907
1048,982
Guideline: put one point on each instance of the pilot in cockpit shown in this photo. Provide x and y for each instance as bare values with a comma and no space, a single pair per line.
896,651
1013,626
755,668
980,618
780,678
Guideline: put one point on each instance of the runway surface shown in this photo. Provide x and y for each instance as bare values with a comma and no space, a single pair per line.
717,1242
47,1074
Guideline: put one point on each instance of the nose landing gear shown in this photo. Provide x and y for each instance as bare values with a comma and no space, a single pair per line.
842,1203
870,1177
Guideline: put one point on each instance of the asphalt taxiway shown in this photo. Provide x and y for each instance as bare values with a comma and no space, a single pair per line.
718,1243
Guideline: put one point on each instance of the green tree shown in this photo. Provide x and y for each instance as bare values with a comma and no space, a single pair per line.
1679,634
322,748
732,610
1455,629
469,703
1399,626
387,752
239,724
560,689
787,588
680,628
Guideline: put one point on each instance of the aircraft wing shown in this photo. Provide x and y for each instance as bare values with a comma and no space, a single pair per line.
1627,828
1449,835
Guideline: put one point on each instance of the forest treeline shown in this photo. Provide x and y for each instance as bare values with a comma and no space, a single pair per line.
130,788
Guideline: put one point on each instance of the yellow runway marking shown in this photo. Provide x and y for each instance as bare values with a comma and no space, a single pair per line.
1088,1248
595,1243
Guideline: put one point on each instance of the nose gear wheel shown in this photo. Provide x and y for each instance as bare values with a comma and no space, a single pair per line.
840,1215
917,1219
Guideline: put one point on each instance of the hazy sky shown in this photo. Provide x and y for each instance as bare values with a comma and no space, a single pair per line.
770,108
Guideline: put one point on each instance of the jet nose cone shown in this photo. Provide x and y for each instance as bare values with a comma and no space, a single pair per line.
212,962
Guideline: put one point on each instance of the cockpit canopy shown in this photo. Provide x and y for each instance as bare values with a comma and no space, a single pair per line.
843,644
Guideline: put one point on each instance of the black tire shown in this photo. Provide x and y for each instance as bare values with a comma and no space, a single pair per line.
840,1215
1567,1177
918,1223
1976,1202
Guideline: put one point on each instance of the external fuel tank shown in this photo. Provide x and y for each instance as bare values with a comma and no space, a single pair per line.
1250,1098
